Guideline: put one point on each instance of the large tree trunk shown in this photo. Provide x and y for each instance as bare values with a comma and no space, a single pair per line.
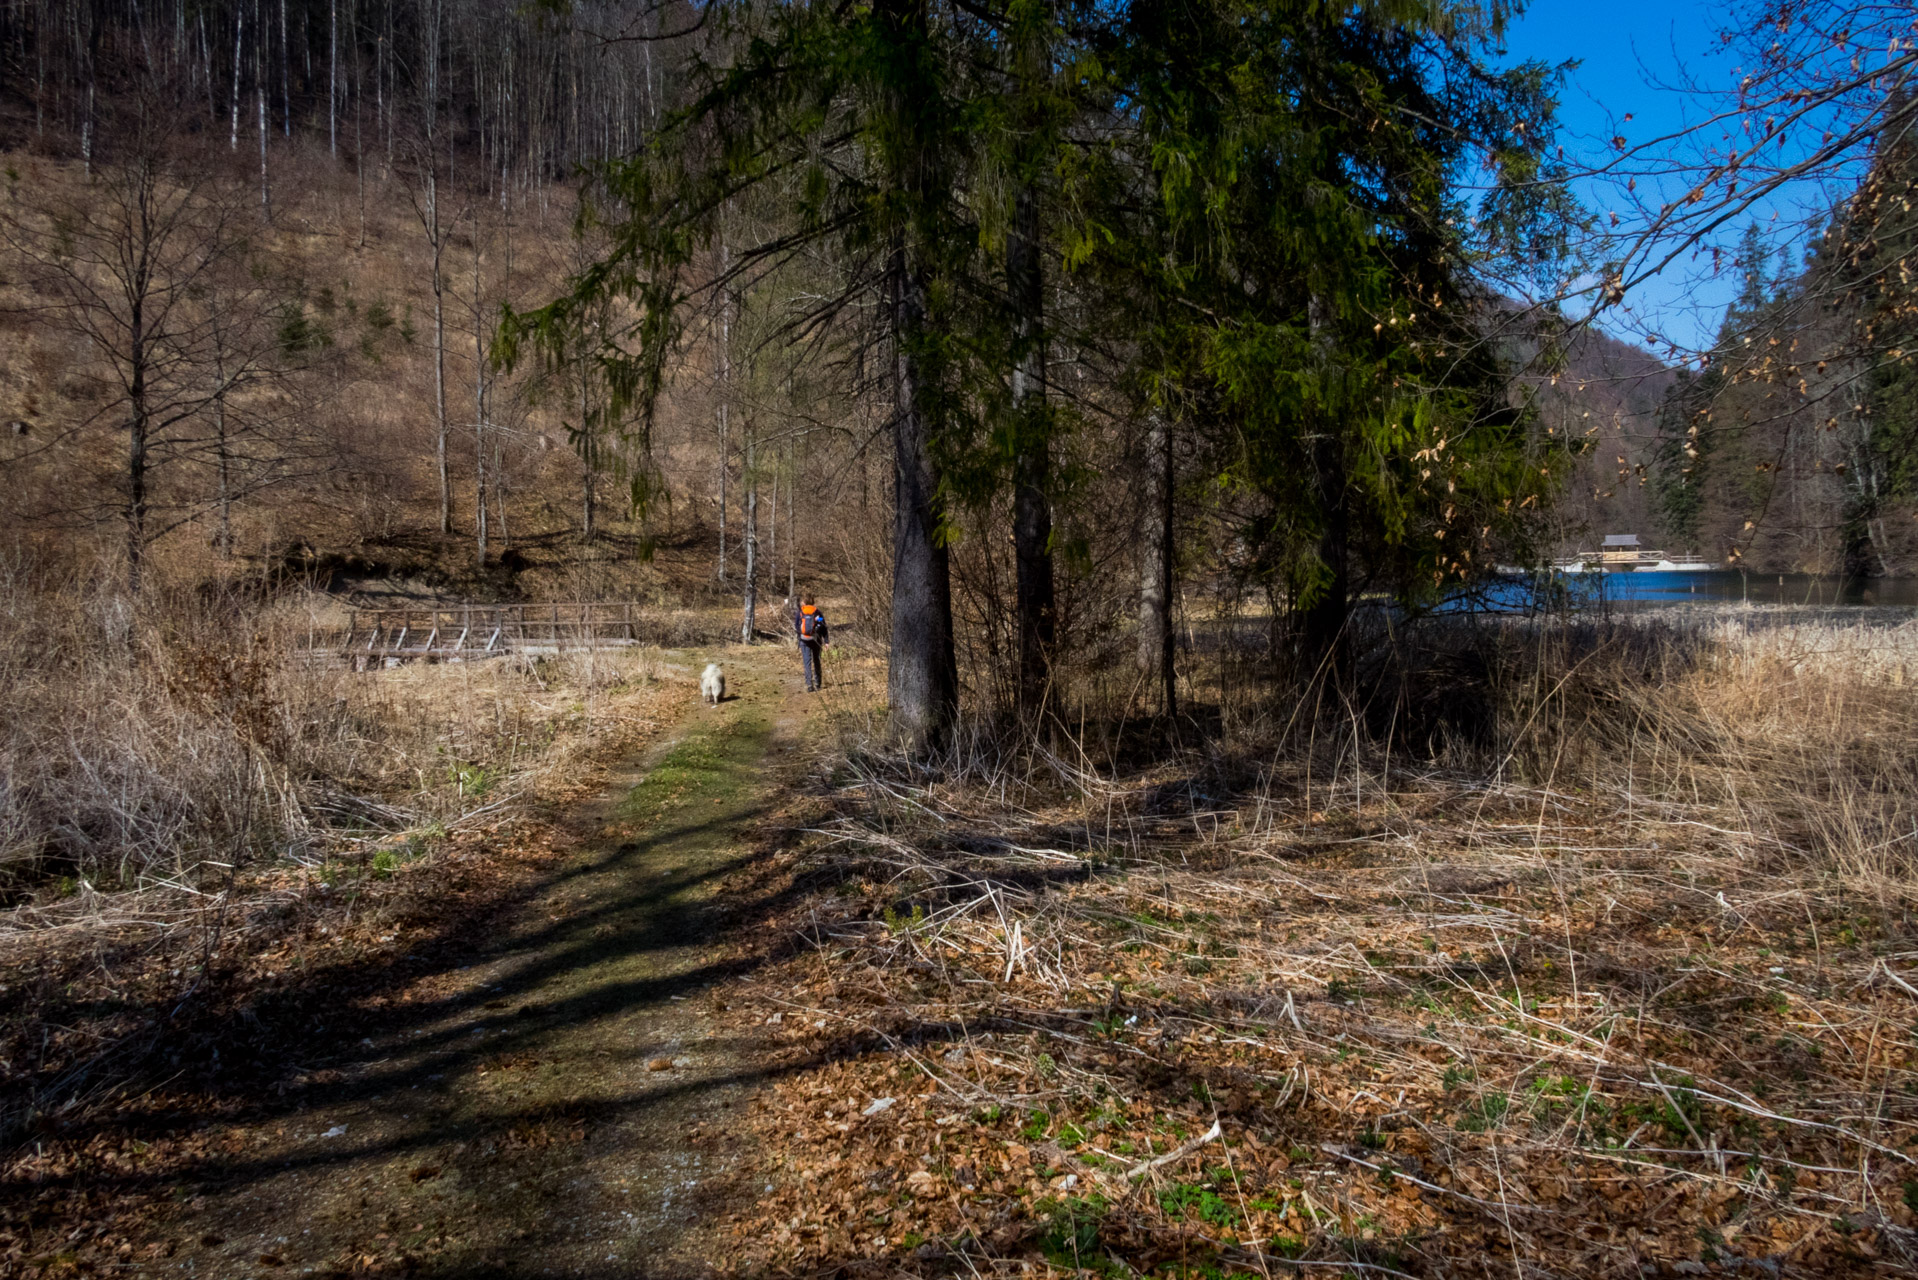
1032,466
1324,644
1156,637
922,679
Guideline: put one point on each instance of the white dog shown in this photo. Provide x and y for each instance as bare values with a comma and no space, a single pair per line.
712,684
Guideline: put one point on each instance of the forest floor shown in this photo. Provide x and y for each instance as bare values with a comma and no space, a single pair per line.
508,1061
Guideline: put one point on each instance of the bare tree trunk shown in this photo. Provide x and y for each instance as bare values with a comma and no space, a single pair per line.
259,90
439,348
922,678
1156,637
499,489
239,31
333,83
725,393
138,424
359,136
792,524
771,526
479,402
589,455
751,479
220,445
95,30
382,126
286,77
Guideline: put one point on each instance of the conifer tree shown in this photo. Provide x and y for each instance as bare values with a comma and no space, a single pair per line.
1300,269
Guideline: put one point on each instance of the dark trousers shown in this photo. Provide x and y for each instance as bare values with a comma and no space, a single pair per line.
813,660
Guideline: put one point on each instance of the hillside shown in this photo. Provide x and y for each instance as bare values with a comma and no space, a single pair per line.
1610,392
329,466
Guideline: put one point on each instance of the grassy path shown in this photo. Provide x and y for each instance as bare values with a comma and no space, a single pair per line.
558,1106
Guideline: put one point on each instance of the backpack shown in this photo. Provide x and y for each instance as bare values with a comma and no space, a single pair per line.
811,622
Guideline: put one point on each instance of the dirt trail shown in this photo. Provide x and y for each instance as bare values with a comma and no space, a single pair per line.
558,1106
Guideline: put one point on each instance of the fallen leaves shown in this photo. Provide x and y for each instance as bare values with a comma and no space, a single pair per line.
1333,1039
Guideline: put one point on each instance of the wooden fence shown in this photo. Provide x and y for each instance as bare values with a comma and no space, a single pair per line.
465,632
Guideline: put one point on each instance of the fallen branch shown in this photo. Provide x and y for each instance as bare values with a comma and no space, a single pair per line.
1500,1209
1894,979
1179,1152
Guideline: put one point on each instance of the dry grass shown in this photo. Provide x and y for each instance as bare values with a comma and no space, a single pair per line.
159,745
1625,987
177,797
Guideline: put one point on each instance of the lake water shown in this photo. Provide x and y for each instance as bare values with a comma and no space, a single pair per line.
1648,588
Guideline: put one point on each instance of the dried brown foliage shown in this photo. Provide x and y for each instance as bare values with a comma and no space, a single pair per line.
1627,989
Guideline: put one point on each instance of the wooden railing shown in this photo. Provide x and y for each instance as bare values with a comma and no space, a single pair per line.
481,631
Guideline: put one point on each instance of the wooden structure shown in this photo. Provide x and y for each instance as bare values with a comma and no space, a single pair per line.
469,632
1623,553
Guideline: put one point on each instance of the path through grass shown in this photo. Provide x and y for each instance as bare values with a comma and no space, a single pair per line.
551,1105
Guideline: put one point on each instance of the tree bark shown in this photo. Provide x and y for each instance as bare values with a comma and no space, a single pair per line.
1322,625
286,77
1032,462
261,60
479,405
138,424
439,349
220,444
752,540
1032,507
239,32
792,523
922,679
725,391
1156,638
590,456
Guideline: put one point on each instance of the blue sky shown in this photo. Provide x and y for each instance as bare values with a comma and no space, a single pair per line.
1635,57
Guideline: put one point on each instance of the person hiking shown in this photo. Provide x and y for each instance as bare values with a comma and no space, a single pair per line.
809,624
